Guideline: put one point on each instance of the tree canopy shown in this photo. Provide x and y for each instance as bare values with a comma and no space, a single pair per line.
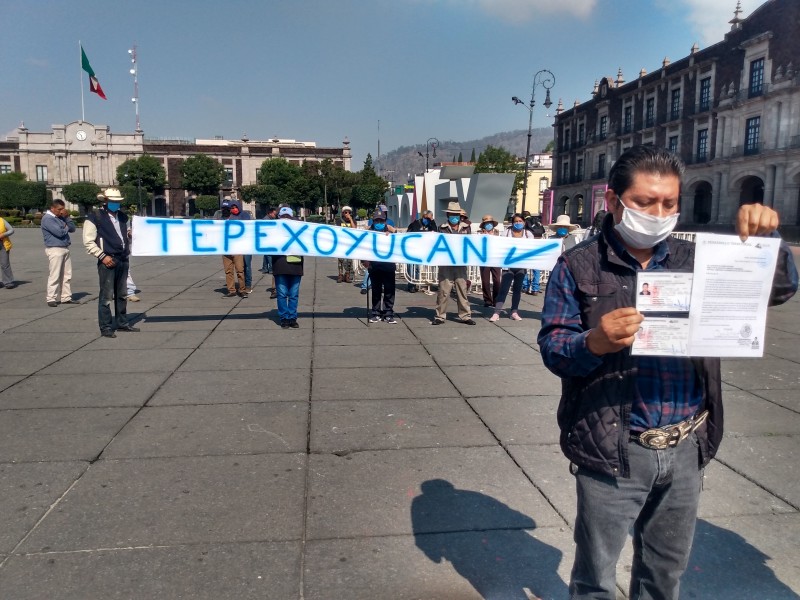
147,168
83,193
500,160
202,174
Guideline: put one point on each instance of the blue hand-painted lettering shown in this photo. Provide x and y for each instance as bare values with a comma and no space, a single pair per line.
441,245
262,234
164,237
196,234
511,258
375,239
294,237
229,225
334,239
480,254
404,252
357,239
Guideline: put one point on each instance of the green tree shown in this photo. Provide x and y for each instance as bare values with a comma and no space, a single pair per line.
368,189
13,176
22,194
207,204
282,183
132,192
500,160
549,148
460,157
146,168
202,174
472,158
84,194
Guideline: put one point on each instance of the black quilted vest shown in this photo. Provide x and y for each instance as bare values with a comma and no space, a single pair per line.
594,412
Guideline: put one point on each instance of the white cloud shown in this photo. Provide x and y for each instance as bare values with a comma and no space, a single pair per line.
525,10
709,18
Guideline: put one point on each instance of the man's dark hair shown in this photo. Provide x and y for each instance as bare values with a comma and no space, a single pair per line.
57,202
272,209
643,159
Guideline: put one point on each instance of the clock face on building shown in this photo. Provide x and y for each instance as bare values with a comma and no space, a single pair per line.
80,135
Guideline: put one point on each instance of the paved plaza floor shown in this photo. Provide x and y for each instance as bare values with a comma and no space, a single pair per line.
214,455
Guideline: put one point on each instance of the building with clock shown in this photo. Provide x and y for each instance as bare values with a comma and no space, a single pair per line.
82,151
731,111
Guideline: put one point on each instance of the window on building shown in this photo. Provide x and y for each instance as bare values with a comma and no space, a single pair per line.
627,123
702,145
5,169
673,144
565,172
581,134
567,134
579,170
83,173
228,176
603,127
705,93
675,105
756,78
752,134
601,166
41,173
650,112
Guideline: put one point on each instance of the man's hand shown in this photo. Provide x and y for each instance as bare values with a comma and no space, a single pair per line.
615,331
756,219
108,261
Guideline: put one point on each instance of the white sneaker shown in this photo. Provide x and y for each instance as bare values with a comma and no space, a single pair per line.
132,298
375,319
515,316
494,317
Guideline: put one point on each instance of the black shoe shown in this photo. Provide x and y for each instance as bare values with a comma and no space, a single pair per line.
11,286
363,291
52,304
468,322
229,295
293,324
273,295
437,322
68,302
110,334
128,329
244,295
284,324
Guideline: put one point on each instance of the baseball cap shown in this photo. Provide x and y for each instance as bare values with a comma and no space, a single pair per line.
285,212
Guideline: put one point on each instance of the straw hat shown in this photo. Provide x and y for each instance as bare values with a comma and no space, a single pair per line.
488,219
562,221
453,208
113,195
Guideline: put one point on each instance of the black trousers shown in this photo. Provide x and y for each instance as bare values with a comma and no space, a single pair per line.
383,285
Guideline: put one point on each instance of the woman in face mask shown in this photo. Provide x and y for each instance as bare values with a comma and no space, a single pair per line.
512,278
490,276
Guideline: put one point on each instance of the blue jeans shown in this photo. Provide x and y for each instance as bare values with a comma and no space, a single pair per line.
365,283
512,280
113,288
248,271
288,290
532,283
266,264
659,501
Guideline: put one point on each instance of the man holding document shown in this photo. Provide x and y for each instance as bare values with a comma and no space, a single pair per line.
639,428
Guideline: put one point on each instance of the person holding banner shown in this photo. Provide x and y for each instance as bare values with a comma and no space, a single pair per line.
233,264
637,430
453,277
490,276
288,271
345,264
512,277
381,275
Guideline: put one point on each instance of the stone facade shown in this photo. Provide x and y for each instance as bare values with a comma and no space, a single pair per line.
81,151
731,111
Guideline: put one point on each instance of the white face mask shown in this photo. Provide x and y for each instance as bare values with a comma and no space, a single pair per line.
640,230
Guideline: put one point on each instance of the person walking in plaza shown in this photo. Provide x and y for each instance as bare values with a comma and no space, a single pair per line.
233,264
6,274
563,229
490,276
345,265
450,277
637,430
56,227
512,278
288,272
383,282
425,223
105,236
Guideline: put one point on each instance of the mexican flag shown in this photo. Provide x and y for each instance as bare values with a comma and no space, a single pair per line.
94,85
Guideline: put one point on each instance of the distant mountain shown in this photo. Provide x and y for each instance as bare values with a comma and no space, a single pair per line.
405,161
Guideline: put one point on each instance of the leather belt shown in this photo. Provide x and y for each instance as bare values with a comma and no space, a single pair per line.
662,438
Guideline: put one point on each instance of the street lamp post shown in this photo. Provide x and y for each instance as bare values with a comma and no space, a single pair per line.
431,143
547,80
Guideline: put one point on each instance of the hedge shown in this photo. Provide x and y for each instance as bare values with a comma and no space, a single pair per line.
23,194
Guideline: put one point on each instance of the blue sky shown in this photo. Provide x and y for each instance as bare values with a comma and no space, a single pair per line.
320,70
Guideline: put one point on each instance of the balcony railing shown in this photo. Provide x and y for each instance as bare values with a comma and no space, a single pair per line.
749,93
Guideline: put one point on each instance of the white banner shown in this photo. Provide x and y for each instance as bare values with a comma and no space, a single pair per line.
181,237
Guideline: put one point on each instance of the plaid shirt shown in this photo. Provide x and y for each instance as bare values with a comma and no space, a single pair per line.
667,388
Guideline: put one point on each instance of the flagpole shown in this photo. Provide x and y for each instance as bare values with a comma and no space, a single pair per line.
80,60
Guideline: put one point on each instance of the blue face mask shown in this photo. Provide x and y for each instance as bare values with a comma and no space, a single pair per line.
426,221
562,232
518,226
113,206
488,227
454,220
379,226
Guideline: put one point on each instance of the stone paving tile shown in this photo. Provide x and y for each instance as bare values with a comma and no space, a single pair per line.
453,332
200,572
34,342
48,325
377,355
174,321
173,501
27,490
58,433
787,398
257,338
67,390
763,374
518,380
234,359
772,419
772,462
359,334
27,362
371,493
520,419
471,565
400,382
150,340
508,353
341,425
253,428
220,387
6,381
134,361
